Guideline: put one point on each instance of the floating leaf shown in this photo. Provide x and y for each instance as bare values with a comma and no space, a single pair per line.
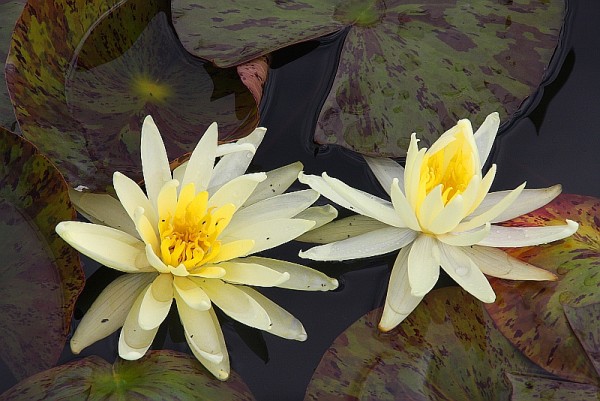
160,375
84,75
41,274
447,349
525,388
543,319
404,66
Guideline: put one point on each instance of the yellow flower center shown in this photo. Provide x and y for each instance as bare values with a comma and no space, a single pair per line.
190,235
452,167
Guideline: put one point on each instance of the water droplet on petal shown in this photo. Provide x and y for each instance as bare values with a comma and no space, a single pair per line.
462,270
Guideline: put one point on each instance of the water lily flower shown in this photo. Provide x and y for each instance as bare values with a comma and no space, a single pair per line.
441,214
189,239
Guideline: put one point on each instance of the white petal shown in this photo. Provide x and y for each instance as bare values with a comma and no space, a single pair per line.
108,312
103,209
342,229
191,294
131,197
235,164
283,323
399,302
200,166
385,171
412,171
485,135
373,243
528,201
135,341
321,215
202,334
108,246
270,233
484,188
506,237
236,191
208,271
497,263
465,272
145,229
448,217
423,265
155,261
252,274
466,238
301,277
431,206
321,186
167,199
402,207
155,163
277,182
156,302
366,204
235,303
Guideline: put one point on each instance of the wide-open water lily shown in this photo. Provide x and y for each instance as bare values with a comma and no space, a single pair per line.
189,239
441,214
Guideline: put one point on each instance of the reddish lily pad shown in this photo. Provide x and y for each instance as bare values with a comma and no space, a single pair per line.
543,319
447,349
404,65
83,76
41,274
160,375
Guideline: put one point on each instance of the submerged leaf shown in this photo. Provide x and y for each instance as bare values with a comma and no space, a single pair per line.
160,375
41,274
543,319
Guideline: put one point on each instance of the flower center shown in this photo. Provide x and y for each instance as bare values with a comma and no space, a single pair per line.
189,236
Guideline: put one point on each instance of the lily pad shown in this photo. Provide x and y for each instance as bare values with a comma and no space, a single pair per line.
543,319
41,274
82,79
405,66
160,375
447,349
527,388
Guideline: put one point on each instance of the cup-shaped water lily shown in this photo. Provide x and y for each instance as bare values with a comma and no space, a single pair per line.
441,214
189,239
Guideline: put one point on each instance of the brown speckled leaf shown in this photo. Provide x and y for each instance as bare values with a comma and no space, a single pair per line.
543,318
84,75
528,388
160,375
447,349
41,274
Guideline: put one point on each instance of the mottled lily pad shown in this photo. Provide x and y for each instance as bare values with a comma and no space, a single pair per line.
544,319
83,76
41,274
447,349
160,375
527,388
404,66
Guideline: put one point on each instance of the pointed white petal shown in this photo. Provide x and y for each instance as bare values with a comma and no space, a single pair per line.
449,217
373,243
179,172
252,274
321,215
385,171
234,249
108,246
423,265
431,206
191,294
155,163
466,238
485,135
155,261
528,201
342,229
465,272
103,209
321,186
108,312
412,171
484,188
156,302
131,197
283,323
236,191
200,166
277,182
208,271
167,199
497,263
506,237
145,229
402,207
399,302
301,277
235,303
135,341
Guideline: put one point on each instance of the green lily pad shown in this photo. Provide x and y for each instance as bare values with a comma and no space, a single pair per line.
84,77
160,375
526,388
41,274
543,319
405,66
447,349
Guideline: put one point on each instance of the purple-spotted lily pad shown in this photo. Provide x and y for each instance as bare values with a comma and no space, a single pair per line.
528,388
404,66
84,74
41,274
447,349
556,324
160,375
